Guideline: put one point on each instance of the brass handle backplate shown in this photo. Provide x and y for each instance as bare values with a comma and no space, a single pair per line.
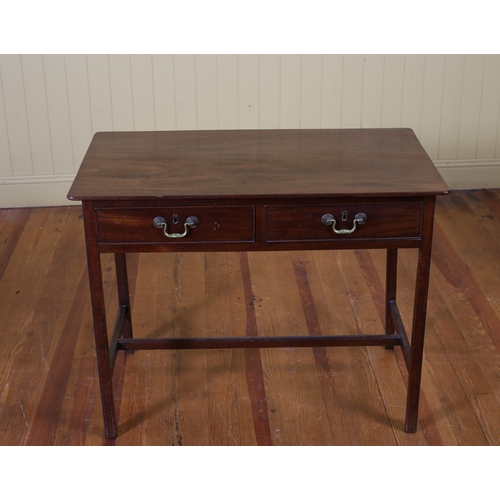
160,223
329,220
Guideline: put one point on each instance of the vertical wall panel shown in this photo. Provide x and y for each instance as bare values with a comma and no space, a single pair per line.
431,103
57,102
79,105
51,105
331,91
490,108
413,88
352,94
451,109
164,92
497,147
373,85
15,115
310,100
99,93
248,91
392,100
185,91
142,92
38,118
5,165
120,82
290,89
471,103
269,83
206,91
227,91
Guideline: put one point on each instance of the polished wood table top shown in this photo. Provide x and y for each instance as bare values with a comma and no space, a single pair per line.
256,163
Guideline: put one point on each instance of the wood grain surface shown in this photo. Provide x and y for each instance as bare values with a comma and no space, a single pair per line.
246,163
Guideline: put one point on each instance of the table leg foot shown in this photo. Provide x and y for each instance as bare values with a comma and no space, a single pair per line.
411,425
111,434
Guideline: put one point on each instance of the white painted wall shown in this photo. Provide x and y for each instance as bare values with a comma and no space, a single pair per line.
51,105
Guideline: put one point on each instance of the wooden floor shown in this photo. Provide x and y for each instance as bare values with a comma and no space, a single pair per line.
49,393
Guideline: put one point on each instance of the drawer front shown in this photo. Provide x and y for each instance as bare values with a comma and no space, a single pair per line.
215,224
383,221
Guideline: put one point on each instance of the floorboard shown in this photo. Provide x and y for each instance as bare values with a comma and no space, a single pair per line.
49,392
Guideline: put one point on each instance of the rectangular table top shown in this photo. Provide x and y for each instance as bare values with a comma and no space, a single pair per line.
255,163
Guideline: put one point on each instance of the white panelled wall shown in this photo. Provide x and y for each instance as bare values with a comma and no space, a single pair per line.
51,105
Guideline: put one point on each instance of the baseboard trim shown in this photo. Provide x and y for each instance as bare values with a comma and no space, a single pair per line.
470,174
51,190
35,191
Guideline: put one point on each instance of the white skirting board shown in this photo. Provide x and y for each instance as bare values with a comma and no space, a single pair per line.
470,174
35,191
51,190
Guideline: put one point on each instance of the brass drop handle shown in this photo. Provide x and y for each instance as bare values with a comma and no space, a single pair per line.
160,223
329,220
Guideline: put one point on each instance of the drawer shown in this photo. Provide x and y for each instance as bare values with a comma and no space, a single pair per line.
215,224
384,220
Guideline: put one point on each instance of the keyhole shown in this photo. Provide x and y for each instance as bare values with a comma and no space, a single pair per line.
175,219
344,215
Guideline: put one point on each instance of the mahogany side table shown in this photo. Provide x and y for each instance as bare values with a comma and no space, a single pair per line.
258,190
